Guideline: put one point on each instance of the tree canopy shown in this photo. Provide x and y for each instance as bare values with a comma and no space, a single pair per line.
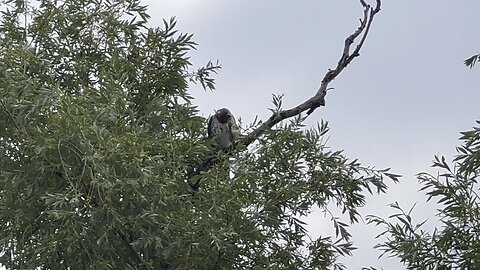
98,138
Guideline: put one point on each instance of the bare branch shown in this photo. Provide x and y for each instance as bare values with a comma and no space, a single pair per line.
312,103
319,98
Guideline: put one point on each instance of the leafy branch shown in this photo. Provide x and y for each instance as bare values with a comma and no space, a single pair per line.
453,244
470,62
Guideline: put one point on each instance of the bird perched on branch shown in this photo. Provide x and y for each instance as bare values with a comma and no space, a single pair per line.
223,127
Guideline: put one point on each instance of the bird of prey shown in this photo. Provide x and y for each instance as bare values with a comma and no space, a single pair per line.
223,127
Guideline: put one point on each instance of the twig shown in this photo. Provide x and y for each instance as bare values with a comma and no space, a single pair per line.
319,98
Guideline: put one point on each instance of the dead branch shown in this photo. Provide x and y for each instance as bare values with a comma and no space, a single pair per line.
315,101
319,98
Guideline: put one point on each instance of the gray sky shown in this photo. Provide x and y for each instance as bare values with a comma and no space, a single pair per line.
404,100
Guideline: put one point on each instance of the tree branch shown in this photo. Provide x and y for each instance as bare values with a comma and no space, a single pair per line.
319,98
312,103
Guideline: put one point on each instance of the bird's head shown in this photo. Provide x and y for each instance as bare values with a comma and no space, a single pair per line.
223,115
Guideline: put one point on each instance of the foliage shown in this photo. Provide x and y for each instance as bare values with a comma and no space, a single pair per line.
471,61
456,245
98,133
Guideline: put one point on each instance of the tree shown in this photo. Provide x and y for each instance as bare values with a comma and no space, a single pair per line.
456,244
99,137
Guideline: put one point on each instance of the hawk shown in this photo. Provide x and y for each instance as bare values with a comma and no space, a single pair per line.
224,129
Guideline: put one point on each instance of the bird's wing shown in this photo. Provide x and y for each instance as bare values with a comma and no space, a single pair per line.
234,130
210,126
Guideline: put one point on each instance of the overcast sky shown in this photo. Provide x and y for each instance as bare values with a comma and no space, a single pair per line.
403,101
